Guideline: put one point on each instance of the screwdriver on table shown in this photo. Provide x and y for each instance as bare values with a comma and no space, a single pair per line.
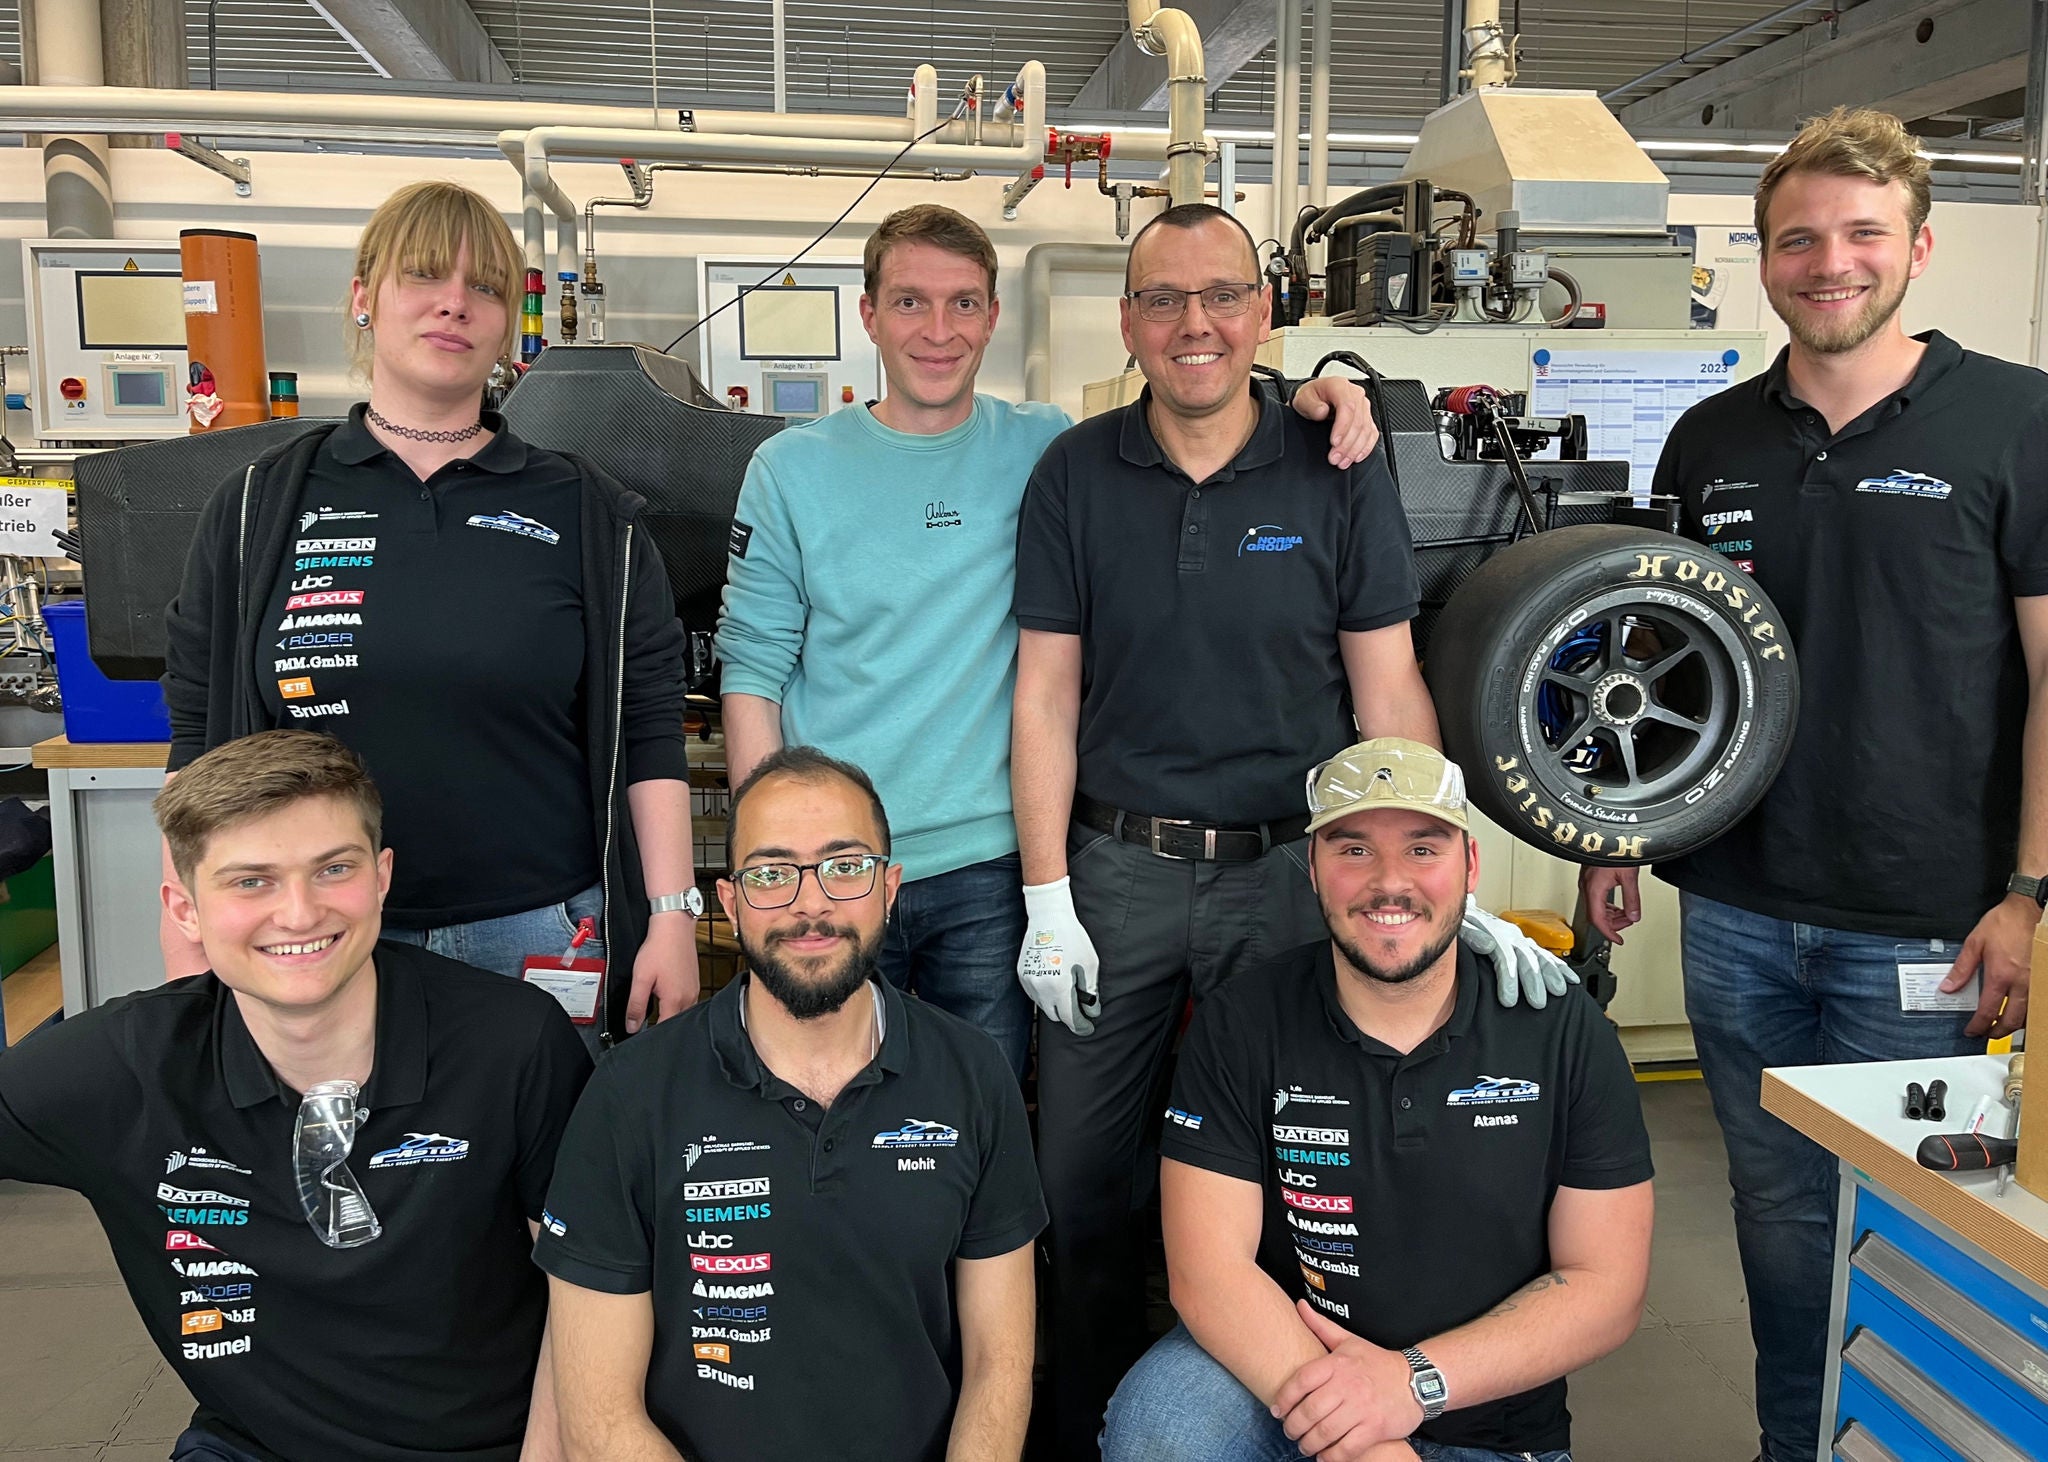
1966,1152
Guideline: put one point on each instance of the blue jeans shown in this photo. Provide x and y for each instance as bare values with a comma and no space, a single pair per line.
953,941
194,1445
1763,992
1178,1404
501,945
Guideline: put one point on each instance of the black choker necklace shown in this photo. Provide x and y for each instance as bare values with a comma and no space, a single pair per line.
414,434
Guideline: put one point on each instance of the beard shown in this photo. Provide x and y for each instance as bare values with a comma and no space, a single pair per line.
1835,334
1442,932
807,988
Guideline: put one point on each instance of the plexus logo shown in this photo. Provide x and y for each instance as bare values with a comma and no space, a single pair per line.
730,1263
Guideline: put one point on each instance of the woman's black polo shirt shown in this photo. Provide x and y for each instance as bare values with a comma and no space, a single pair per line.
1406,1195
799,1259
1894,548
161,1111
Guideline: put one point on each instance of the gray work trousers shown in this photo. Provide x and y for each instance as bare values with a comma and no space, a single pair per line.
1164,929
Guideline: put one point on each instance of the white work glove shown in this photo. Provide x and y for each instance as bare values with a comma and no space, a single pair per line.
1057,966
1522,968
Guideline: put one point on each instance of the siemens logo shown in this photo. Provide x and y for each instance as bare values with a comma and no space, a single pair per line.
1313,1158
202,1217
737,1213
335,561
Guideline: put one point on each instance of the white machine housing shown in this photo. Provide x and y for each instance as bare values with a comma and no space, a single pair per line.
106,338
796,344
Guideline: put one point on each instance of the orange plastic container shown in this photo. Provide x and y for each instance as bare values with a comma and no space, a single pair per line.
224,324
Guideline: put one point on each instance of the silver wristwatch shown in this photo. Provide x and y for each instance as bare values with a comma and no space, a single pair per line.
1427,1382
690,901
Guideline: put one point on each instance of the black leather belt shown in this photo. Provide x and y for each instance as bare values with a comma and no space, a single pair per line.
1175,837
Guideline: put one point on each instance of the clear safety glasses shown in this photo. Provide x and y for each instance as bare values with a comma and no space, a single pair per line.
1388,770
329,1192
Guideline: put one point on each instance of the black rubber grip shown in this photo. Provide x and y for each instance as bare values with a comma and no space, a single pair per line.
1937,1101
1916,1101
1966,1152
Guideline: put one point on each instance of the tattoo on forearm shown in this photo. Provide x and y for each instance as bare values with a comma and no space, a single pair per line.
1541,1282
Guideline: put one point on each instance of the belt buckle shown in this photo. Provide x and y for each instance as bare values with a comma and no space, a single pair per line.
1208,839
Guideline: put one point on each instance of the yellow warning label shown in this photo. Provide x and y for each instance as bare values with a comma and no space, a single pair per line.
789,279
129,267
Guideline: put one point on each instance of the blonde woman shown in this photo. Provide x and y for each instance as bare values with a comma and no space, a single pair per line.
480,619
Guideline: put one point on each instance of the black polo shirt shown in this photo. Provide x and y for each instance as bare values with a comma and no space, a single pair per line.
437,628
159,1108
1208,612
798,1257
1407,1195
1894,549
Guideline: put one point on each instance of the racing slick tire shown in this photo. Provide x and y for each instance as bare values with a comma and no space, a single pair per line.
1614,695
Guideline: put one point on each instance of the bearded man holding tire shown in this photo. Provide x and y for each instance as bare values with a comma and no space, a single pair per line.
1886,491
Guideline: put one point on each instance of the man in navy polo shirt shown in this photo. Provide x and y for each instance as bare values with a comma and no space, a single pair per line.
796,1220
373,1298
1397,1213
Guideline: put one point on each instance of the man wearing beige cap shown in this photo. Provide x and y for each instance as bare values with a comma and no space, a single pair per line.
1397,1212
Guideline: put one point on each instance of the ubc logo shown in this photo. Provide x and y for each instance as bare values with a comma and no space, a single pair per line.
1267,538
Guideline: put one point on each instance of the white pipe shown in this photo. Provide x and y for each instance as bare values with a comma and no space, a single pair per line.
544,144
1287,119
1039,264
1173,34
1486,46
1319,106
344,115
781,60
924,100
78,193
535,195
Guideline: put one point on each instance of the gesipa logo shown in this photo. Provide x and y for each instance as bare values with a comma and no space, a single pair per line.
730,1263
1315,1202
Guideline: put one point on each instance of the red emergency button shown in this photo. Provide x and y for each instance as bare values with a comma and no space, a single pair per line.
846,394
71,389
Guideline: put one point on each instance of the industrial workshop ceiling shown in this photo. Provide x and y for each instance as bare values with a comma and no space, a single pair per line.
1954,67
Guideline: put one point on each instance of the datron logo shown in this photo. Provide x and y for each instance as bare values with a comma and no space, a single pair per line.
1267,538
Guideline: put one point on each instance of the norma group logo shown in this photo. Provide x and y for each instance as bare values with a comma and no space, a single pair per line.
730,1263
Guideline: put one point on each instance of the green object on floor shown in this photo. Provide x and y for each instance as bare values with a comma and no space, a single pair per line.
28,917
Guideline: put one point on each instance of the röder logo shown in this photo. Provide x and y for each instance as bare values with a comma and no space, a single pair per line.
1267,538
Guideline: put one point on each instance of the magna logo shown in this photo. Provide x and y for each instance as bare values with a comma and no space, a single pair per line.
730,1263
728,1188
179,1238
328,599
1315,1202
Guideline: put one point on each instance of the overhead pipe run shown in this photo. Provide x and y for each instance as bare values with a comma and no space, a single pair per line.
1489,53
78,192
1040,262
1174,35
1287,119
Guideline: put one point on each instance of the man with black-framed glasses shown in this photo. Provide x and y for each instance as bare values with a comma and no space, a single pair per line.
796,1220
1205,604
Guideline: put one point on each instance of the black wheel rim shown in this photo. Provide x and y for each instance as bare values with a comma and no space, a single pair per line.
1635,703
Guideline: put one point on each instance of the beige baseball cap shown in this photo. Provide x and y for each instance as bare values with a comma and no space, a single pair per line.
1388,771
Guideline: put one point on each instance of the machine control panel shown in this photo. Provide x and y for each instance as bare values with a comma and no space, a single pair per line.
786,340
106,338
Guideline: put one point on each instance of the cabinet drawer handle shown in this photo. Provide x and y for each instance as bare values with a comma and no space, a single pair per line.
1857,1445
1994,1341
1919,1398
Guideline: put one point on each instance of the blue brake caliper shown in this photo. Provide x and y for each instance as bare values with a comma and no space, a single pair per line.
1575,656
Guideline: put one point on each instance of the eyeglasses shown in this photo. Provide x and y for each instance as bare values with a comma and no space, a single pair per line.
1223,301
331,1195
1370,772
775,885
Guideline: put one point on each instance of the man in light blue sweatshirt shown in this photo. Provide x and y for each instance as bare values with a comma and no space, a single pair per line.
868,597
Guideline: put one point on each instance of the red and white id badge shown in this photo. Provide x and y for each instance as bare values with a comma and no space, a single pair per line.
576,983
